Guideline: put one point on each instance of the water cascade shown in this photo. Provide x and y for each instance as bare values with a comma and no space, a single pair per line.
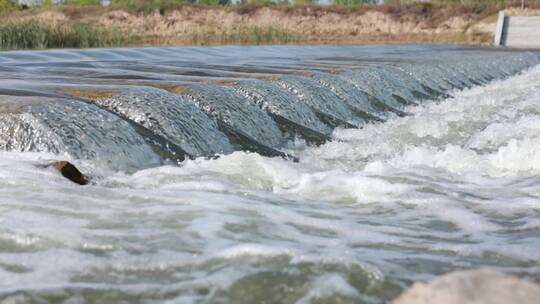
411,161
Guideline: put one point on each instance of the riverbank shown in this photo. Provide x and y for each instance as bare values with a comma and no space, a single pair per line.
215,25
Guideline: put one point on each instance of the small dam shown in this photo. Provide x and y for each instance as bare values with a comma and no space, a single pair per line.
265,174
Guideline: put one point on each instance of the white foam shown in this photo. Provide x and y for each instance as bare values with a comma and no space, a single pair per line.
453,185
327,286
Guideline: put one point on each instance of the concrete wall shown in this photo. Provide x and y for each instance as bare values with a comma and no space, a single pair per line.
518,31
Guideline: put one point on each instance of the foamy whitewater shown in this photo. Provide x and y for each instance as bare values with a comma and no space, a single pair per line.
454,185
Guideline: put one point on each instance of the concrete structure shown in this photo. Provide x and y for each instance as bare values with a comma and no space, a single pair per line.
518,31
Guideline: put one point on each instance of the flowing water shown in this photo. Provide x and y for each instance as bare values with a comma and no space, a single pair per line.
265,174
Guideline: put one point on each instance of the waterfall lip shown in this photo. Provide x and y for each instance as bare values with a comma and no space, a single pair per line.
323,102
55,124
262,100
279,102
171,123
358,100
224,105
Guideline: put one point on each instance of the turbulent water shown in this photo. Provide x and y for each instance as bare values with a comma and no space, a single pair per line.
432,166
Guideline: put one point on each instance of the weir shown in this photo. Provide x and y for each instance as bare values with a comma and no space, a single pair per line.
176,210
139,110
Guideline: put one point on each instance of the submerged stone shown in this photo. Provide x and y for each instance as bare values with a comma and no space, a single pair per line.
69,171
472,286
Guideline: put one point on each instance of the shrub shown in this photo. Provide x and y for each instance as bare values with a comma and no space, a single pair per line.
6,6
245,35
83,2
33,35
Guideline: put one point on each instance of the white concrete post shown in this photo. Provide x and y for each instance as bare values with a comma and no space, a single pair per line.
499,29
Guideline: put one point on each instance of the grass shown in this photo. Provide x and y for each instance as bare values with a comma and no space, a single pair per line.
254,35
50,3
78,31
33,35
396,8
150,6
6,6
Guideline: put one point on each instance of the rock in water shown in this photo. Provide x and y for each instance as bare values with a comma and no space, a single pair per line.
70,172
473,287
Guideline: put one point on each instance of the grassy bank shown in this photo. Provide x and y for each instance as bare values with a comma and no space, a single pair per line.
33,35
395,7
253,35
82,23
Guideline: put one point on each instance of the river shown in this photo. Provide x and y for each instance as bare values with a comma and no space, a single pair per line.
265,174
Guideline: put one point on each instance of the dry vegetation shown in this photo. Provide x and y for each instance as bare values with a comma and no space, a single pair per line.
254,24
90,94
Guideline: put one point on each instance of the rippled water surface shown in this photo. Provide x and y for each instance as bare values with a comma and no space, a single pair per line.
453,183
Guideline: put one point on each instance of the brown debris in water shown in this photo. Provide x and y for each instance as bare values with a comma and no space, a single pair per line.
69,171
